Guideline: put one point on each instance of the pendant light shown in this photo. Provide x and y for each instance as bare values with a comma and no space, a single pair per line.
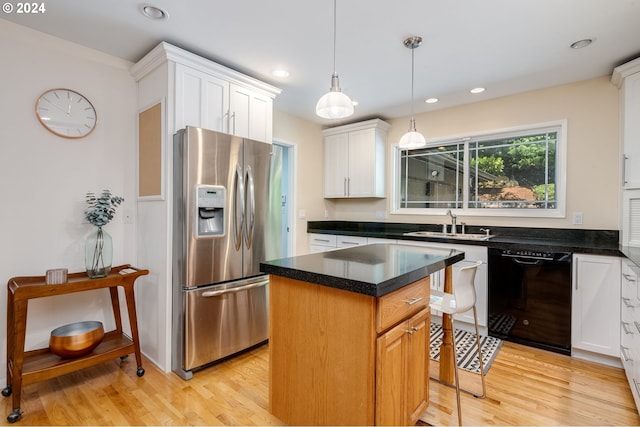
412,139
334,104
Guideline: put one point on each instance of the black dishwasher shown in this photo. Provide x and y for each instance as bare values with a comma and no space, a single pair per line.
530,298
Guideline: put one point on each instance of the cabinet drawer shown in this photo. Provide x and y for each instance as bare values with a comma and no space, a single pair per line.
347,241
322,240
400,304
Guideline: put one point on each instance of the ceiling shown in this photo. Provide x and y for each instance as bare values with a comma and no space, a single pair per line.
506,46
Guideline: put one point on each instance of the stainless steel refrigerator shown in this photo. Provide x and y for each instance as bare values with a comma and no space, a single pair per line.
220,208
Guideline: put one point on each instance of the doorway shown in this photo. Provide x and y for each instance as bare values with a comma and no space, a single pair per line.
281,200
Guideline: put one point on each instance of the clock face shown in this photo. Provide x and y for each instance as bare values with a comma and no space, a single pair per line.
66,113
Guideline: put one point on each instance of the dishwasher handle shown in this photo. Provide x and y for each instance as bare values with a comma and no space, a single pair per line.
208,294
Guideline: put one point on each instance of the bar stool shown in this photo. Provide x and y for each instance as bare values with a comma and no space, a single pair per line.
462,299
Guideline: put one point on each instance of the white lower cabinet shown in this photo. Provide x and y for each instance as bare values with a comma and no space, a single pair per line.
595,309
472,253
630,326
321,242
349,241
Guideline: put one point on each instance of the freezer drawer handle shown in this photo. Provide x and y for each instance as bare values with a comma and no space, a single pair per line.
233,290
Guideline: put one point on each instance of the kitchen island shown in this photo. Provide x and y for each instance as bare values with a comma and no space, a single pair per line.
349,334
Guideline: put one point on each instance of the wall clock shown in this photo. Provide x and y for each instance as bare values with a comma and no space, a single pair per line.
66,113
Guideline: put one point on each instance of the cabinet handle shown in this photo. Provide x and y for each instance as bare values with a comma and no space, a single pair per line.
413,300
348,186
635,382
412,330
628,277
624,169
627,302
344,186
321,240
575,272
625,328
233,116
635,322
623,352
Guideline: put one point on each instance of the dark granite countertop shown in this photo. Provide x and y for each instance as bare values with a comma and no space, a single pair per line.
632,253
597,242
374,270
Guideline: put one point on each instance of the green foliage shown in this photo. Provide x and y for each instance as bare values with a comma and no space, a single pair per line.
489,164
101,209
538,191
523,159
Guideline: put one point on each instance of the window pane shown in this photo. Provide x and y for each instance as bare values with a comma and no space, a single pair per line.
513,172
432,177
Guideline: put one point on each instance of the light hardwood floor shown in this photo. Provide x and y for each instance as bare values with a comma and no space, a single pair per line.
525,387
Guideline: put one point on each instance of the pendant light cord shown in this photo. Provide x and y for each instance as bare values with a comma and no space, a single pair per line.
334,36
412,71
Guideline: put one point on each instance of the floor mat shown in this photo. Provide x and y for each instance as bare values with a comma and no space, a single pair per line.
467,349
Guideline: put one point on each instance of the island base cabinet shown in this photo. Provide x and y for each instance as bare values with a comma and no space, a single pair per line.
321,357
336,358
402,372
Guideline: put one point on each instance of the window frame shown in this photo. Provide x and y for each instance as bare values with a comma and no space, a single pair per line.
560,184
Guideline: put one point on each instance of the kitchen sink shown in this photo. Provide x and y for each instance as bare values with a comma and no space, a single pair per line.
442,235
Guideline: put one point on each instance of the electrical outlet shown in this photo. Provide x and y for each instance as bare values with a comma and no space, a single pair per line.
578,217
302,214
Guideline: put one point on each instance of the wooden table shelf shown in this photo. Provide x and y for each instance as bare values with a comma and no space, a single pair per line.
38,365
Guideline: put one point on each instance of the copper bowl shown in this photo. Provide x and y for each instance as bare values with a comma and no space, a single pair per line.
76,339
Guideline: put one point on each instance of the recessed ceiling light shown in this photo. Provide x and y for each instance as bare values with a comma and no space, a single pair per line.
280,73
477,90
431,100
581,43
154,12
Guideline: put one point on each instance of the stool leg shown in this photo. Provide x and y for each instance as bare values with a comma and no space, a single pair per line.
455,372
484,388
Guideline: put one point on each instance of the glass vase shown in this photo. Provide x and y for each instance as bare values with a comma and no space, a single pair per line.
98,253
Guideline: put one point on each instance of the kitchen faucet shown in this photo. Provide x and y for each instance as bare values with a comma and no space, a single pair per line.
453,221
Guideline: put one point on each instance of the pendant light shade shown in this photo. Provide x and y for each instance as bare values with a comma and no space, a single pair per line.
412,139
334,104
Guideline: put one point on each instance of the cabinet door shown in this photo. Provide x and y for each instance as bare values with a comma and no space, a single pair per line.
595,311
362,167
418,366
402,372
391,369
202,100
631,131
251,114
336,165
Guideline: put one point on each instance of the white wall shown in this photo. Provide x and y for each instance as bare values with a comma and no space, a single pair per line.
591,109
44,178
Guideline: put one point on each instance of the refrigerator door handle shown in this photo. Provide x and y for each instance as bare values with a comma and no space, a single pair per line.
250,206
209,294
238,214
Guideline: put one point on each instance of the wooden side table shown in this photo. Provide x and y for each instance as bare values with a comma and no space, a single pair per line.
25,368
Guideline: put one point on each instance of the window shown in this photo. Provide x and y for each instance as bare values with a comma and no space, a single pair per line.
516,172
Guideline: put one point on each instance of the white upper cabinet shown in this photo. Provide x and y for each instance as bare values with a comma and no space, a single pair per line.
250,114
627,78
201,93
202,100
354,160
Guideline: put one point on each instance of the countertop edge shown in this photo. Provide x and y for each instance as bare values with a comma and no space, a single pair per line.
609,248
366,288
